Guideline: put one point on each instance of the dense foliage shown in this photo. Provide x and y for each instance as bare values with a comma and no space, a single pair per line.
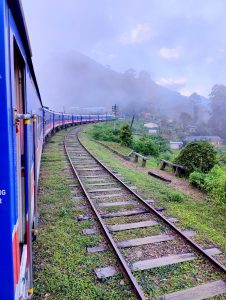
126,136
162,143
197,156
146,146
217,122
197,179
214,183
105,133
176,197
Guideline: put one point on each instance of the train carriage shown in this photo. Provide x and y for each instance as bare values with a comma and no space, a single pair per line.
58,120
21,137
24,124
48,121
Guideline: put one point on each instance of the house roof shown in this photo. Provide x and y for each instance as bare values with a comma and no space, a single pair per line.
176,142
212,138
151,125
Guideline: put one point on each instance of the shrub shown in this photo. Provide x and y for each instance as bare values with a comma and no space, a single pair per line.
126,136
146,146
166,155
162,143
215,184
197,156
197,179
105,133
176,197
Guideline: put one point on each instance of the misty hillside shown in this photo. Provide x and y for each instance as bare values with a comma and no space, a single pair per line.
88,83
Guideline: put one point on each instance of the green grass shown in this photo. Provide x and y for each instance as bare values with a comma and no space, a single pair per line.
118,147
171,278
201,215
62,268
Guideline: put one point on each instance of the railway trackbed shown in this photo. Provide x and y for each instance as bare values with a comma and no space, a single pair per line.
145,242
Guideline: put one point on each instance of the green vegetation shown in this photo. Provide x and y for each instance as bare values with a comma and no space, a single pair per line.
197,214
154,145
197,156
176,277
214,183
105,132
146,146
126,136
63,269
176,196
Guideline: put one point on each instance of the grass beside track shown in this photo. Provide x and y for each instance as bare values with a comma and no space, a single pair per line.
62,268
207,218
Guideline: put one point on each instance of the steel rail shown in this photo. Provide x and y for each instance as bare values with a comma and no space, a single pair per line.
106,232
194,245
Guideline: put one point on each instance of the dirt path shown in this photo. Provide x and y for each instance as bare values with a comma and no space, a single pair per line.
180,184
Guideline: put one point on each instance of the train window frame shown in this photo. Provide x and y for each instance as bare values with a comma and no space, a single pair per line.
20,63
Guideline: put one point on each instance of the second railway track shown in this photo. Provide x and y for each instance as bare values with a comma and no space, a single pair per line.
141,237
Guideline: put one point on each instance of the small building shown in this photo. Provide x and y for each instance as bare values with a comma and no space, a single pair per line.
212,139
176,145
152,127
191,128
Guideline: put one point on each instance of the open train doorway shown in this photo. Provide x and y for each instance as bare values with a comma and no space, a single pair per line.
20,146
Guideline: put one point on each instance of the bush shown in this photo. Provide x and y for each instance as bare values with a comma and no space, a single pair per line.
105,133
176,197
126,136
215,184
146,146
197,179
197,156
162,143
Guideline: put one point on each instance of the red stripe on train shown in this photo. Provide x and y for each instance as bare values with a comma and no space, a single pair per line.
16,256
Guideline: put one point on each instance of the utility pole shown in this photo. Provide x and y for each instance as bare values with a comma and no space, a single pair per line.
132,122
115,111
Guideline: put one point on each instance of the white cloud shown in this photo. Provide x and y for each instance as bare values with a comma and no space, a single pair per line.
199,90
172,81
141,33
170,53
185,92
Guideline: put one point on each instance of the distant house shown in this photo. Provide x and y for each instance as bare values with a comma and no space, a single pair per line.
214,140
152,127
145,114
176,144
191,128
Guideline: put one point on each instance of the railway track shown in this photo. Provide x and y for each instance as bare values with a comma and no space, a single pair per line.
142,238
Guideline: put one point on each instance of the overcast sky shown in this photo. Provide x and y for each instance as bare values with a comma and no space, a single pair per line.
181,43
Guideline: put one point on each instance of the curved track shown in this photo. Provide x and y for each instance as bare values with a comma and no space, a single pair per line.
105,190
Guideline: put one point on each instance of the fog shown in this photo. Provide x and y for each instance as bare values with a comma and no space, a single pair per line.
142,55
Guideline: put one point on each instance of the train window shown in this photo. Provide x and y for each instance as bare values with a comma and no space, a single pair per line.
20,107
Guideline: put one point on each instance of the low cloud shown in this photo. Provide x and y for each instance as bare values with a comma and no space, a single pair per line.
185,92
171,81
170,53
141,33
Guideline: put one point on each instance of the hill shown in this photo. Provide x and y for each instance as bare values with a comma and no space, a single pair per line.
88,83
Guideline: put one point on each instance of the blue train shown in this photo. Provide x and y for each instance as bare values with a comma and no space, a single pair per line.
24,126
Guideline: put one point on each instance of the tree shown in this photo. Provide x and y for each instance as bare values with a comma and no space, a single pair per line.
217,120
185,119
126,135
146,146
196,101
197,156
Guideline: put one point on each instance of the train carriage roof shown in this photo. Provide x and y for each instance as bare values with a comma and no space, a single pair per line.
17,12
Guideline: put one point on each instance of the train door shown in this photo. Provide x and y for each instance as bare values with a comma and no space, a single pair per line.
35,149
20,109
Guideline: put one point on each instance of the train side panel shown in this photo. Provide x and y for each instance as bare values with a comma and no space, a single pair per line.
9,258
